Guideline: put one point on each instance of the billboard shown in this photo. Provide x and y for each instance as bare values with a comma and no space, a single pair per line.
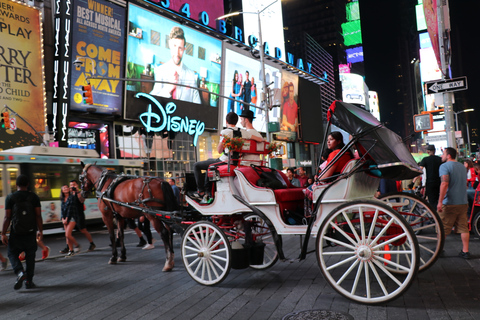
173,60
272,23
353,88
98,37
354,55
352,33
21,74
289,99
237,68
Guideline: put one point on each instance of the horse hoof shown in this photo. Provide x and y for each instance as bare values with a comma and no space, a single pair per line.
167,269
111,261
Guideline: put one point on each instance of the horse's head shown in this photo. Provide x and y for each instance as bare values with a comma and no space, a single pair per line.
86,183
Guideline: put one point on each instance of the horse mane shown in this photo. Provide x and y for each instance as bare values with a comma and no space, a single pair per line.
88,165
169,198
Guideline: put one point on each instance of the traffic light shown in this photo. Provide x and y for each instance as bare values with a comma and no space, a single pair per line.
5,120
87,94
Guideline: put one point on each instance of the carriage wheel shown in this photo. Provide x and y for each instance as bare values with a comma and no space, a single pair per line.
476,224
260,230
206,253
425,222
353,253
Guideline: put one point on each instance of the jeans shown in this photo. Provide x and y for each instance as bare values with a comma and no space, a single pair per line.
197,171
18,244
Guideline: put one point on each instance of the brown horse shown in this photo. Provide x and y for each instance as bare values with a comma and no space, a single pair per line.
144,192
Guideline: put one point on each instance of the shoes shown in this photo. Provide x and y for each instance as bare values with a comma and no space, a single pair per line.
21,277
148,247
92,247
464,255
4,265
45,253
198,195
30,284
206,200
77,249
64,251
21,256
70,254
141,243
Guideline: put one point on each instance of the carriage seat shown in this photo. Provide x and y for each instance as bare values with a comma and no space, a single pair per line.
222,169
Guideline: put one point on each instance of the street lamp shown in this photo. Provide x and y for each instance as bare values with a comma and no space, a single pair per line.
262,59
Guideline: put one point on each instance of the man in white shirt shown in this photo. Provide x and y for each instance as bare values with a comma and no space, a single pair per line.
246,119
174,70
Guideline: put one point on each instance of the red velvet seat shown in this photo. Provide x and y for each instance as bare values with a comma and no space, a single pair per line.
222,170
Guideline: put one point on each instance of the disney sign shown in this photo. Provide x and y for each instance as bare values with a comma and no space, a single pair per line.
163,119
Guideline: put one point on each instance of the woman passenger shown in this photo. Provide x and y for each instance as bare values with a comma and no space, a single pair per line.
335,144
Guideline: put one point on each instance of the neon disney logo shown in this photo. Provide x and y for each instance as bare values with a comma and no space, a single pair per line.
157,122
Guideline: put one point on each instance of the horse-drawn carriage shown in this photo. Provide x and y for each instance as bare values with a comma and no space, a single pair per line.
368,249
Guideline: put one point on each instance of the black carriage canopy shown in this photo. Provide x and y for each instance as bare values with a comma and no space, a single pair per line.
392,158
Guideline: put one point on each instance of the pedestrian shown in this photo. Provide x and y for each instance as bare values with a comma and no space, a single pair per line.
432,163
290,175
73,215
4,262
453,205
23,211
175,189
302,176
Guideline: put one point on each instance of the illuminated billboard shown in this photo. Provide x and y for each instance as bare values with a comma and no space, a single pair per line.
236,67
353,88
354,55
22,80
98,36
272,23
175,61
352,33
353,11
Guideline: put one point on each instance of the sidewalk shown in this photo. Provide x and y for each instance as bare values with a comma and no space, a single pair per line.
86,287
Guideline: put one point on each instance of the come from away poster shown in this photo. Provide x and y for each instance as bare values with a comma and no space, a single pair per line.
98,36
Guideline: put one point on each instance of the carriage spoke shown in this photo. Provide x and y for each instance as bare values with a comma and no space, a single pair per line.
382,231
379,279
340,243
372,226
345,275
367,281
391,276
357,278
390,241
351,226
336,227
391,263
341,263
189,239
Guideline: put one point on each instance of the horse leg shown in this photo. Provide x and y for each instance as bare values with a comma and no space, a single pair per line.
121,237
108,220
167,238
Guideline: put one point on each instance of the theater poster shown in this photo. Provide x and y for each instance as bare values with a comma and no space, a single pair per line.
98,34
21,75
179,68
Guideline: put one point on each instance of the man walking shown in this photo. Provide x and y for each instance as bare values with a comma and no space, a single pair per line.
23,211
432,185
452,205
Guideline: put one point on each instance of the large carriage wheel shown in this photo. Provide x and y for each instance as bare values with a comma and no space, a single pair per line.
260,230
354,251
425,222
476,224
206,253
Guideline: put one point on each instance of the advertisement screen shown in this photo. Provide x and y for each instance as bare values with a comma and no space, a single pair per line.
98,34
353,88
82,135
352,33
289,102
271,23
243,82
173,60
310,102
354,55
21,75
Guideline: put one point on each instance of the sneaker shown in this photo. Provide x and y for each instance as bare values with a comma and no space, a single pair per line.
21,277
4,265
45,253
464,255
142,243
29,284
64,251
21,256
148,247
77,249
92,247
70,254
198,195
206,200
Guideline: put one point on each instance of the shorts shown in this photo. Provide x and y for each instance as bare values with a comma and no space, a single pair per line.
80,220
454,215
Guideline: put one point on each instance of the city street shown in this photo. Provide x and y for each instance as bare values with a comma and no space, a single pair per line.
86,287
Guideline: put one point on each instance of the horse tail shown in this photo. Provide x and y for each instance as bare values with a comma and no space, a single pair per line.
169,198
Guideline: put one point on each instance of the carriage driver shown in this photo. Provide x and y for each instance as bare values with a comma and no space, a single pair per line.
231,131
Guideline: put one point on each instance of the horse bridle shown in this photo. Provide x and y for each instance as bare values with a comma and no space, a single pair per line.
98,185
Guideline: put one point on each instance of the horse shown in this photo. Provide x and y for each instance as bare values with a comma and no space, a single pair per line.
144,192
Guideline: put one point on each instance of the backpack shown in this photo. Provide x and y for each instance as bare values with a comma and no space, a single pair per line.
24,220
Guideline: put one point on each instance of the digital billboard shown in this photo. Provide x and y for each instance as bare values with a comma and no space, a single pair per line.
352,33
174,61
21,75
353,88
354,55
237,68
271,23
98,35
289,100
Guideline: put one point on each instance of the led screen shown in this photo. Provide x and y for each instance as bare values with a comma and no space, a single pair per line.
236,67
272,23
352,33
354,55
162,50
98,39
353,11
353,88
310,102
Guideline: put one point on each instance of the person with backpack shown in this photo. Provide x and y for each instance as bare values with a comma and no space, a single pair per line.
23,211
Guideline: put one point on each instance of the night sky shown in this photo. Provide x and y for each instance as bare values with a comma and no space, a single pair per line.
380,30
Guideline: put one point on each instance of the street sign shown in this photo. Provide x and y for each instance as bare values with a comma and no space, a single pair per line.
449,85
441,137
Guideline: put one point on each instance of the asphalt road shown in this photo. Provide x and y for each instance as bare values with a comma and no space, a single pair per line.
86,287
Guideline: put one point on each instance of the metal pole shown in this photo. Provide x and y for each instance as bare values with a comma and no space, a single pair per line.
468,137
262,62
456,120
